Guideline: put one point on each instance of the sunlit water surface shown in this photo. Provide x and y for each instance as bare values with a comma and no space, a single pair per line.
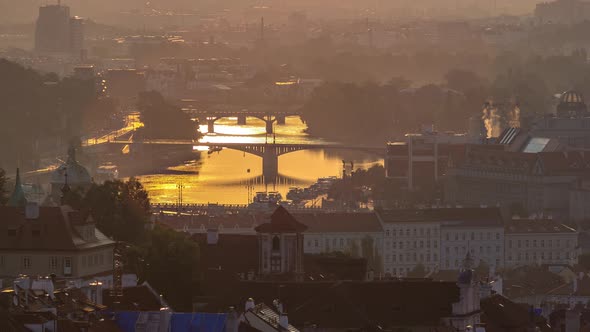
233,177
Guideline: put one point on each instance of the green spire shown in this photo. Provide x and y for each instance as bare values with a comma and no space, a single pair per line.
18,195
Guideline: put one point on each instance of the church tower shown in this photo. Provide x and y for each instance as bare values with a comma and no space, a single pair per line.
280,244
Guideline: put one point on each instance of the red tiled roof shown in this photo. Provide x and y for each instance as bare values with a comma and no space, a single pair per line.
281,221
471,216
343,222
348,304
517,226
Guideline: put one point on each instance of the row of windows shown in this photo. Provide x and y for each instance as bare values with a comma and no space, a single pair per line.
540,243
533,256
53,262
414,232
411,258
335,242
459,263
93,260
414,244
472,236
463,250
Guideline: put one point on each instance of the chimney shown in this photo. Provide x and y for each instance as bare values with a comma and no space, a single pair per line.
32,211
581,275
249,304
212,236
283,321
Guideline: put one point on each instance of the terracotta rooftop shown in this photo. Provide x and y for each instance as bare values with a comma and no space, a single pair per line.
349,304
52,230
342,222
518,226
456,216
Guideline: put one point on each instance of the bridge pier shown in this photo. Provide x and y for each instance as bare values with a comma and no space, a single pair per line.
211,124
270,163
280,119
269,127
241,120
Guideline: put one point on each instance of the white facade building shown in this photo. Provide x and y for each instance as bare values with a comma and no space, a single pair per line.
530,242
439,239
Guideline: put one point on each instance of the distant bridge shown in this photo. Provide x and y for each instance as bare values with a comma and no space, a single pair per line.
266,114
269,152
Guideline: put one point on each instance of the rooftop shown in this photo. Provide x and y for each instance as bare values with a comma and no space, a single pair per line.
450,216
517,226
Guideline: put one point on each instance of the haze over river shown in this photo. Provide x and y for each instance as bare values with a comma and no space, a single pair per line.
232,177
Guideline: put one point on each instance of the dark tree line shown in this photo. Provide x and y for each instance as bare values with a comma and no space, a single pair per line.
373,113
164,120
168,260
41,111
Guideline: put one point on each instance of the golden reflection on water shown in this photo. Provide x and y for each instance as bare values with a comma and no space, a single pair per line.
232,177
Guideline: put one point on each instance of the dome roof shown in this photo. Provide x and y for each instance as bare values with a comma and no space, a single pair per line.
77,174
571,104
572,97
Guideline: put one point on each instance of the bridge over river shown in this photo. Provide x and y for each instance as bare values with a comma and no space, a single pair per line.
269,152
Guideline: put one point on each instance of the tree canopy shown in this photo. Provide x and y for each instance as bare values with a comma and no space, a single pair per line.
120,209
164,120
3,187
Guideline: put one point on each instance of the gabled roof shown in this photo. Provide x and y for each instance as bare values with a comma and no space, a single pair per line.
281,221
52,230
501,314
349,304
521,226
450,216
340,222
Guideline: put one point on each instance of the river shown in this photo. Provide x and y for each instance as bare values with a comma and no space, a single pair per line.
233,177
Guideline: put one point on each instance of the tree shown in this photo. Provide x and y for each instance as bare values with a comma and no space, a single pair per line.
483,269
370,254
169,261
164,120
120,209
417,272
3,189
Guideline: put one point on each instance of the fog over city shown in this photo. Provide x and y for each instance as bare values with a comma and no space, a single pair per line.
294,165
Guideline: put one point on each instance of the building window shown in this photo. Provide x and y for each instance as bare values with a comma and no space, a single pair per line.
401,245
83,261
394,244
435,244
526,243
26,263
421,231
401,258
472,236
276,243
510,244
542,243
53,263
534,243
394,232
387,233
519,244
408,232
497,236
447,236
341,242
316,243
497,248
308,243
435,257
275,264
